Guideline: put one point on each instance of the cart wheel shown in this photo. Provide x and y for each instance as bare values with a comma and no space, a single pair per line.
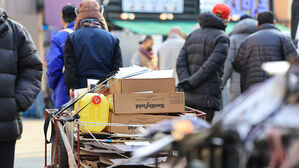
62,158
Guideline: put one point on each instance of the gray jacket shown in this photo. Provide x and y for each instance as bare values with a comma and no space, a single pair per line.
240,32
169,52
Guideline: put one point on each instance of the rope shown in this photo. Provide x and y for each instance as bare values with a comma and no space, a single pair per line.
100,142
109,124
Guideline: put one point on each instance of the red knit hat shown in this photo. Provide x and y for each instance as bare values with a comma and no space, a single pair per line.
223,10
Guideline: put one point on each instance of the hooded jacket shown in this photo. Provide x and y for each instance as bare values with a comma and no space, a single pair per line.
200,62
242,29
20,78
268,44
90,52
90,9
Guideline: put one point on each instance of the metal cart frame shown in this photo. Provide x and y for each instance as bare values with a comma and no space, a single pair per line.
72,156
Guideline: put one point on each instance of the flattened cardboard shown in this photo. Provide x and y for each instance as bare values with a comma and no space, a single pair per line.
133,119
142,85
149,103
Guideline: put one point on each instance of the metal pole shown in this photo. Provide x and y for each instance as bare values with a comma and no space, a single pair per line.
46,152
78,143
56,143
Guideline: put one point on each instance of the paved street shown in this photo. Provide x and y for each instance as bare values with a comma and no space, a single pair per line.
30,149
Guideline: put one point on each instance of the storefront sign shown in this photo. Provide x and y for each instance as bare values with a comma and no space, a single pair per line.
207,5
238,7
153,6
250,7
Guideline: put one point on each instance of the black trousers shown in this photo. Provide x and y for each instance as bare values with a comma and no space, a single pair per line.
209,112
7,154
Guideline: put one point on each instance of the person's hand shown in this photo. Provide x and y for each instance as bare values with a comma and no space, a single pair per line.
72,94
185,85
221,87
155,68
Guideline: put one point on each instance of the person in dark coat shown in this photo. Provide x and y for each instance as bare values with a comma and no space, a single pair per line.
55,58
200,62
242,29
20,83
91,52
268,44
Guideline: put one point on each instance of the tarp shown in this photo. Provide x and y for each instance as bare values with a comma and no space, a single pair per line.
163,27
154,27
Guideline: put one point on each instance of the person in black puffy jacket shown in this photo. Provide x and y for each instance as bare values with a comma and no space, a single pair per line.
20,83
200,62
267,44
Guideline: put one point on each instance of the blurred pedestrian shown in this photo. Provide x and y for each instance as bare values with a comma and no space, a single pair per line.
267,44
55,58
243,28
295,23
91,52
201,60
295,19
145,56
170,49
20,82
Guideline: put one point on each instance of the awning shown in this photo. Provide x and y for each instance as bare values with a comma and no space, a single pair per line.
163,27
154,27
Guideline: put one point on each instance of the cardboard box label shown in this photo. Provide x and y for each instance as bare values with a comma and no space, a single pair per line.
149,103
134,119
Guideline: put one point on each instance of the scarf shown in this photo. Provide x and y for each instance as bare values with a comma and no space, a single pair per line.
148,54
92,24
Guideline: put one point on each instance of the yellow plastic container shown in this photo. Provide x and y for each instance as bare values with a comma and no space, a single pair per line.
96,112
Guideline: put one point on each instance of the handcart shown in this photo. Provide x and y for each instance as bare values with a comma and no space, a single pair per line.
74,148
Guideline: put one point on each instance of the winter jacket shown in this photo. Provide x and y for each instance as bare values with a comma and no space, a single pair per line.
20,78
240,32
268,44
169,52
201,60
55,66
90,53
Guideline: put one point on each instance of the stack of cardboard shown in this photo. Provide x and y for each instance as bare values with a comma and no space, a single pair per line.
143,102
113,150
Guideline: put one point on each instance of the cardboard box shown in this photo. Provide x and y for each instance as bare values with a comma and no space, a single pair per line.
142,85
149,103
133,119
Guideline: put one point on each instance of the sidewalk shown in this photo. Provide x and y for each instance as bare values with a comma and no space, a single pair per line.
30,149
